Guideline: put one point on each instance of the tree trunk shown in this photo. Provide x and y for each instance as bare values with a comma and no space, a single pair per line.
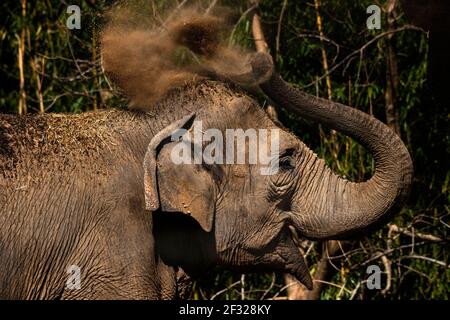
392,114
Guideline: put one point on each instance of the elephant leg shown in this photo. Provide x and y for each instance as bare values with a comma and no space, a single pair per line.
122,263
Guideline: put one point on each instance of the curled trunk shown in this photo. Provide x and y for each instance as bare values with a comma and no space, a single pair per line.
342,207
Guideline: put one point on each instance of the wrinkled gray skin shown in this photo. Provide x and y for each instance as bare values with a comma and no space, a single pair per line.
74,191
432,16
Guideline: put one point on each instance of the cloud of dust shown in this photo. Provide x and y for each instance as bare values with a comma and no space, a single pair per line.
148,59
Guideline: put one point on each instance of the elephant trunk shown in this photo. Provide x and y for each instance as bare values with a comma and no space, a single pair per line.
338,208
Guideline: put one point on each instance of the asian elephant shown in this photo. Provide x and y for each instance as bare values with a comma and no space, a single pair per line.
98,193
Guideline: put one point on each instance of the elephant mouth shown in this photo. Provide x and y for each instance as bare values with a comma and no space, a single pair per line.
281,254
287,257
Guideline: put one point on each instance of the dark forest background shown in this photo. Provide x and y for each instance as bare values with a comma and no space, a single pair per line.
323,47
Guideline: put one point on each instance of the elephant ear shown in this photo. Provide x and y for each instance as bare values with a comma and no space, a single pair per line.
172,187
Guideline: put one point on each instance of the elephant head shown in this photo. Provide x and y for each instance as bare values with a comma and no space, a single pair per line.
248,218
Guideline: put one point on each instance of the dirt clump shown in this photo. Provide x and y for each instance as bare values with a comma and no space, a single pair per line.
148,59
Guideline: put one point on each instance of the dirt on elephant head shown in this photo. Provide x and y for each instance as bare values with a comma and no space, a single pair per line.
148,55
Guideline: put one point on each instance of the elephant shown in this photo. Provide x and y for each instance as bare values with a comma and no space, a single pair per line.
98,193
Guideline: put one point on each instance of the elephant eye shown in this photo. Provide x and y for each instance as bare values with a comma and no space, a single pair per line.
287,161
